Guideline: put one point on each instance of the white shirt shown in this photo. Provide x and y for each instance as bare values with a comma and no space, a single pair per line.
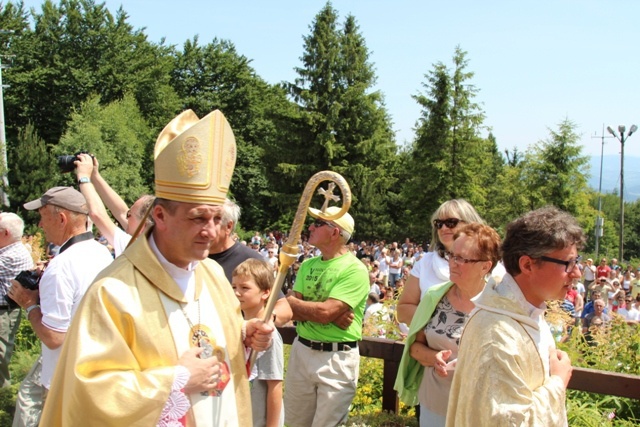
589,272
374,288
376,308
384,265
62,287
632,314
397,269
430,270
120,241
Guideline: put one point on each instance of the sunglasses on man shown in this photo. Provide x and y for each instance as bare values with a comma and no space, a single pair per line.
319,223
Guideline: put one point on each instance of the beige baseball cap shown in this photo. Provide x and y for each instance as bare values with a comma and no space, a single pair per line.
345,222
65,197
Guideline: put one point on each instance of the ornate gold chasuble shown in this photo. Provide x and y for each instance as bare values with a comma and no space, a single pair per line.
501,378
118,361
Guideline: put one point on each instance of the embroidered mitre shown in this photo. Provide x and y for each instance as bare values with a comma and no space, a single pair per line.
194,159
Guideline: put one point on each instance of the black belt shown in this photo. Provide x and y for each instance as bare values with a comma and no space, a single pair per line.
328,346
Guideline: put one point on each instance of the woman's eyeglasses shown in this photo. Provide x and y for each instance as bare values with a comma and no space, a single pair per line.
449,222
449,256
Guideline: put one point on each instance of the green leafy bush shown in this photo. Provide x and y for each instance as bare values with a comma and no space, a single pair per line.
26,352
615,348
367,404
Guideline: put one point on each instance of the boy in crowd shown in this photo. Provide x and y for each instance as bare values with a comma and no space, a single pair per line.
252,281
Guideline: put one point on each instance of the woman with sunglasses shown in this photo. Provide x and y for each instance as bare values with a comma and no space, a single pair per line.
432,268
430,352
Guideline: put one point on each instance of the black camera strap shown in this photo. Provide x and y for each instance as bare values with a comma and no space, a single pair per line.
76,239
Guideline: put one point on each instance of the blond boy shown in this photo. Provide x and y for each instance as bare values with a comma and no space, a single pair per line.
252,281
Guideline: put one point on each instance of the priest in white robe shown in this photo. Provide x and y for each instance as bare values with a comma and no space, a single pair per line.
509,372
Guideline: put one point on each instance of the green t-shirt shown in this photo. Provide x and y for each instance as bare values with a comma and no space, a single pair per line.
344,278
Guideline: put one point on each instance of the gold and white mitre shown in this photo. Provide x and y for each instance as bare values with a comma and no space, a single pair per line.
194,159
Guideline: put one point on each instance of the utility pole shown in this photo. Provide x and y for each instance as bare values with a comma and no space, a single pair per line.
599,218
622,138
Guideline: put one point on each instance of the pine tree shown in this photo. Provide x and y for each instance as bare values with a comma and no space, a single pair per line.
556,170
341,123
449,158
32,170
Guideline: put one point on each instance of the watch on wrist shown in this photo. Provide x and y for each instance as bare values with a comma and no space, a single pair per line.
30,308
84,180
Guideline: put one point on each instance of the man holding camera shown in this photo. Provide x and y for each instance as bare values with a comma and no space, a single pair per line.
63,218
14,258
99,193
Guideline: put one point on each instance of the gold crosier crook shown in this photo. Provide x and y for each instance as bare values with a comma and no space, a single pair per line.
289,251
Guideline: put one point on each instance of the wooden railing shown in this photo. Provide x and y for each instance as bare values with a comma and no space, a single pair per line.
591,380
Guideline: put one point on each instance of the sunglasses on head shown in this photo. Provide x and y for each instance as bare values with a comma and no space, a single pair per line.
449,222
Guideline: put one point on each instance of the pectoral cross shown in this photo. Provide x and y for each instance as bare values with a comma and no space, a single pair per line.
328,195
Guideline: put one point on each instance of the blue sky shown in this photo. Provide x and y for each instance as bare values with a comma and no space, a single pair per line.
535,62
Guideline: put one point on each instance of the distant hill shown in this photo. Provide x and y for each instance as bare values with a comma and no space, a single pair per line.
611,175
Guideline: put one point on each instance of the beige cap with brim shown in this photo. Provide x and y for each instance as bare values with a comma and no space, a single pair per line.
345,222
64,197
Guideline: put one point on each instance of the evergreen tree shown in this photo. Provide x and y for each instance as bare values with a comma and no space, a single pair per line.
316,92
632,230
14,20
32,171
449,158
507,199
609,242
341,124
557,171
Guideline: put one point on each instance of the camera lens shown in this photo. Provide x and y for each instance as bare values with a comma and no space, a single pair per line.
65,163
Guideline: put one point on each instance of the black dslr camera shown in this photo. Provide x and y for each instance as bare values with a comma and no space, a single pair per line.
65,163
29,279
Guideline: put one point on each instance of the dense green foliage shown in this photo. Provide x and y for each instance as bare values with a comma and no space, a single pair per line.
116,134
215,76
617,349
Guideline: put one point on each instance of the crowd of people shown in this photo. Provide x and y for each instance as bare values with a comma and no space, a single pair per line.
155,325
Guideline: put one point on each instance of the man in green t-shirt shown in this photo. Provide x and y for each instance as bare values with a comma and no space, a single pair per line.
327,301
